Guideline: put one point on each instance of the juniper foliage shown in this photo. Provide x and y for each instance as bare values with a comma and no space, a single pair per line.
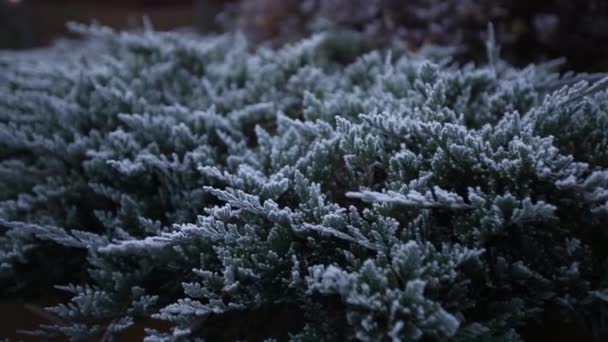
377,196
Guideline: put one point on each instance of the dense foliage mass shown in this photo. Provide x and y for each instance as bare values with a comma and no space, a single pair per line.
311,192
530,30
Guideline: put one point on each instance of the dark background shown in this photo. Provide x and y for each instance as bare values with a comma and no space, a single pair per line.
31,23
528,30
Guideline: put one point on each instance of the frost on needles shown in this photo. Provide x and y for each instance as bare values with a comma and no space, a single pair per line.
207,184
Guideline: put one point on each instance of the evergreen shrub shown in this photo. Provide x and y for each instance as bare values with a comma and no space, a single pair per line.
311,192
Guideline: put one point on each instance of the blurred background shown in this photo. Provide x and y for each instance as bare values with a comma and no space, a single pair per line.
528,30
33,23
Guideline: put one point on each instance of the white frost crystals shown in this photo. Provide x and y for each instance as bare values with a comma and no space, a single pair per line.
204,182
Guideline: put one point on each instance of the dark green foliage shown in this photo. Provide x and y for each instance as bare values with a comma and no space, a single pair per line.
315,191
